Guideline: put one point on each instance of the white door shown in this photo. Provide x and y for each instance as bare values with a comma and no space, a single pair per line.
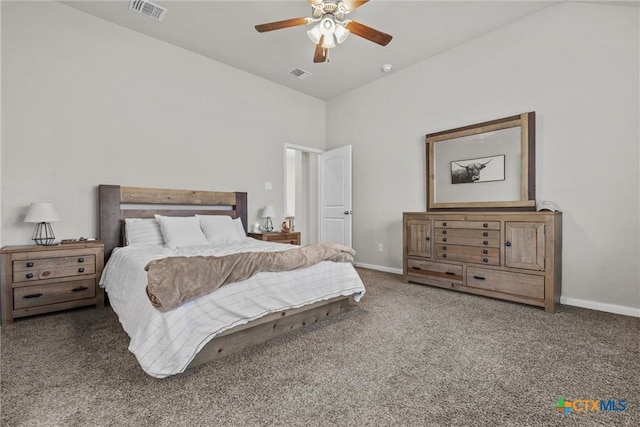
335,196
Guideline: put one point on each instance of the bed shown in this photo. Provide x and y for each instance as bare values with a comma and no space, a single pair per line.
228,319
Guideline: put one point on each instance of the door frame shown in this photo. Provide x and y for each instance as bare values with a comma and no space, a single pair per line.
304,149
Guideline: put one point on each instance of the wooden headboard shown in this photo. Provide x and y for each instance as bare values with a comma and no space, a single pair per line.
117,203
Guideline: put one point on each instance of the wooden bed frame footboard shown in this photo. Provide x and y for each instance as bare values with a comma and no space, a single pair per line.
118,203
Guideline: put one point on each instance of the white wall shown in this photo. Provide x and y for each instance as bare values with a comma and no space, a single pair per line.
577,66
86,102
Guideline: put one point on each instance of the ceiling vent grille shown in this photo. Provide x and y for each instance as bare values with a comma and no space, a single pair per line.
299,74
147,8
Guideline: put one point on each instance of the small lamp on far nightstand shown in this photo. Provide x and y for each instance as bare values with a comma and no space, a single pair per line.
268,212
43,214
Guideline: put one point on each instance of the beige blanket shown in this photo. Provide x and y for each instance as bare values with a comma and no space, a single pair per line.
175,280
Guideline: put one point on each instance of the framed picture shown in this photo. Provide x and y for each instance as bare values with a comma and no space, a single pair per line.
477,170
483,166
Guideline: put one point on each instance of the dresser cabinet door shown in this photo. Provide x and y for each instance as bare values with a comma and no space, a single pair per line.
524,245
419,238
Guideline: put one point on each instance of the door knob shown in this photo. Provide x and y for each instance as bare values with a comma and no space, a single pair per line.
348,212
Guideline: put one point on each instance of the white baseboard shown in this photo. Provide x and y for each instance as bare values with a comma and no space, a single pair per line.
379,268
592,305
600,306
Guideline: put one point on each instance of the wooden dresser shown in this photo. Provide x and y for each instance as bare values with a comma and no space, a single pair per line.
292,238
43,279
514,256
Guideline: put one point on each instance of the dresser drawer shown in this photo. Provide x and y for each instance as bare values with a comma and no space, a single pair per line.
33,274
38,295
480,225
526,285
435,270
483,238
474,254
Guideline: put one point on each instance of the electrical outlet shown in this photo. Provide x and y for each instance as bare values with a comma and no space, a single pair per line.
380,247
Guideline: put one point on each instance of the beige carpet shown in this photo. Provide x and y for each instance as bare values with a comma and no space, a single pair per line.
406,355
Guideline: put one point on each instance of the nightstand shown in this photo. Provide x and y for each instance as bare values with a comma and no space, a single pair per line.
43,279
292,238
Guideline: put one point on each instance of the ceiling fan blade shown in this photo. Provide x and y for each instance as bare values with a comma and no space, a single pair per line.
368,33
353,4
315,2
320,55
282,24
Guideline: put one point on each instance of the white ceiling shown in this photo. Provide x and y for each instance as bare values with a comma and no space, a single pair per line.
224,31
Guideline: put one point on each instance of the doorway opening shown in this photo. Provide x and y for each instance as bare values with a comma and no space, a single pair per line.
301,190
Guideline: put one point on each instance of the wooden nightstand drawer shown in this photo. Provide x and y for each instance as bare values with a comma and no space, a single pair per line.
47,263
34,296
59,267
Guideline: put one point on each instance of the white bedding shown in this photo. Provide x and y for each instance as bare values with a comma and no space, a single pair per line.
165,343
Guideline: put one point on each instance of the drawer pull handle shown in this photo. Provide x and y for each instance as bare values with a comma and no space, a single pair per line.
32,296
485,259
485,243
79,289
508,243
444,224
80,259
427,238
29,276
444,239
479,278
444,255
81,270
485,225
29,264
444,231
485,234
484,251
444,248
450,273
416,268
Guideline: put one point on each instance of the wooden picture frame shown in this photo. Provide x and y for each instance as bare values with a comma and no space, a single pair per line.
512,137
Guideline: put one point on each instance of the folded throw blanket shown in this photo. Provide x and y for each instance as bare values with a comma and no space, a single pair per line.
175,280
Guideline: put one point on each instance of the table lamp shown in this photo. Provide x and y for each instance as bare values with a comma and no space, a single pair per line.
42,214
268,212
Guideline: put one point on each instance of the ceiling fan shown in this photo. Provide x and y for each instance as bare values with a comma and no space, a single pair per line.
331,26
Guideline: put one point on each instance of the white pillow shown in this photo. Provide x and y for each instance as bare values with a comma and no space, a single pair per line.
240,228
219,228
142,232
181,231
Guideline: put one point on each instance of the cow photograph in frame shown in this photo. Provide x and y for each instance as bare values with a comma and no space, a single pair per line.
473,170
499,154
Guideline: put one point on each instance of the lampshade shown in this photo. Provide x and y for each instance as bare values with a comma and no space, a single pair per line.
341,33
315,34
268,212
42,212
327,26
328,42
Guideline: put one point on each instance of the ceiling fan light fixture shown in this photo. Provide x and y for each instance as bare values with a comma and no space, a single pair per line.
329,42
314,34
341,33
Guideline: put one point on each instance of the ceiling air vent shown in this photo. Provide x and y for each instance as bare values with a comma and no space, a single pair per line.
147,8
299,74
